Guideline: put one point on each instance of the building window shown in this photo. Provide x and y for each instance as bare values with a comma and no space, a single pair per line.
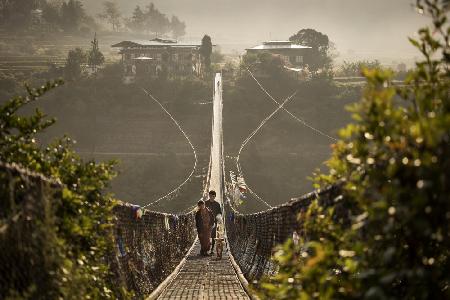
299,59
159,56
175,57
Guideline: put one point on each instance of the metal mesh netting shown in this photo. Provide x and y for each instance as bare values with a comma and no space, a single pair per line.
148,248
28,262
252,237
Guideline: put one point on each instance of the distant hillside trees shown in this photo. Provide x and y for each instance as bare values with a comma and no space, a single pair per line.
206,51
151,21
16,14
65,15
137,20
178,27
75,60
111,14
266,65
95,58
356,68
321,46
51,14
72,13
70,16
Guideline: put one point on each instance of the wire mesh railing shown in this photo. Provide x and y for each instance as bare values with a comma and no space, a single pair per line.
28,260
149,246
253,237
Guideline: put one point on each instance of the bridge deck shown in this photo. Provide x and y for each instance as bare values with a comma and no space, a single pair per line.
205,278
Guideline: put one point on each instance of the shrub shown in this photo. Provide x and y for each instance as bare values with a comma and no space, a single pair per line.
393,165
82,217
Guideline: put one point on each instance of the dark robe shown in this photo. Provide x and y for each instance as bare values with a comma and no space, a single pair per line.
204,221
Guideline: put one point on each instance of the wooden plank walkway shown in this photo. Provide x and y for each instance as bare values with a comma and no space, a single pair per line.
205,278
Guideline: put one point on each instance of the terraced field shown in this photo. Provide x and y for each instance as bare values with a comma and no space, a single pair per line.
29,63
30,53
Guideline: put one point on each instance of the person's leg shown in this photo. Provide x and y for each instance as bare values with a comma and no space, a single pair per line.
219,249
213,236
204,244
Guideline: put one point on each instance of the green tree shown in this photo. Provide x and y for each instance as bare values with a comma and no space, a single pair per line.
356,68
178,28
95,58
137,21
17,14
387,234
51,13
72,15
320,43
74,63
83,218
111,14
265,64
206,51
155,21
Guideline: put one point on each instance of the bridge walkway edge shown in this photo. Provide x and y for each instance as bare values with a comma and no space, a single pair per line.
203,278
198,277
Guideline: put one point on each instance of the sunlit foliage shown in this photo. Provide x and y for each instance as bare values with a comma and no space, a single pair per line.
84,214
387,235
357,67
321,47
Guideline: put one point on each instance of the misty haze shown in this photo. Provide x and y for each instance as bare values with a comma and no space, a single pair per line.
319,126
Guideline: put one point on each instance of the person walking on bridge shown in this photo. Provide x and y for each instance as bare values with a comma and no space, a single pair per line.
204,222
216,210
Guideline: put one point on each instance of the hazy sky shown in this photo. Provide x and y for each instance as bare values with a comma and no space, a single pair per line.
362,25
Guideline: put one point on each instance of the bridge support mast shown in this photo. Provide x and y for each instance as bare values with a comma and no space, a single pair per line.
216,160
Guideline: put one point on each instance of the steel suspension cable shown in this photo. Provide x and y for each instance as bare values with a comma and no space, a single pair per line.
303,122
252,134
190,144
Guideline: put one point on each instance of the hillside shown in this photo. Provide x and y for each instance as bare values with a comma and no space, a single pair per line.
111,120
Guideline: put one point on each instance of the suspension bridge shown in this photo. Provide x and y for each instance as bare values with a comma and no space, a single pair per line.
157,254
250,238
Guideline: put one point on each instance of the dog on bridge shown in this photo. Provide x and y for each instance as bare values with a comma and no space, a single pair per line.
220,240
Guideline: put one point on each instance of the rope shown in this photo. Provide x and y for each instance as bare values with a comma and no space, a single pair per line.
265,120
258,197
126,153
303,122
254,132
190,144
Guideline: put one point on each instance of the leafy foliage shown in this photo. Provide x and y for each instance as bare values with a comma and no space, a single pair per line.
321,47
68,15
387,236
75,59
16,14
111,14
356,68
83,216
95,58
151,20
178,27
265,64
72,14
206,51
